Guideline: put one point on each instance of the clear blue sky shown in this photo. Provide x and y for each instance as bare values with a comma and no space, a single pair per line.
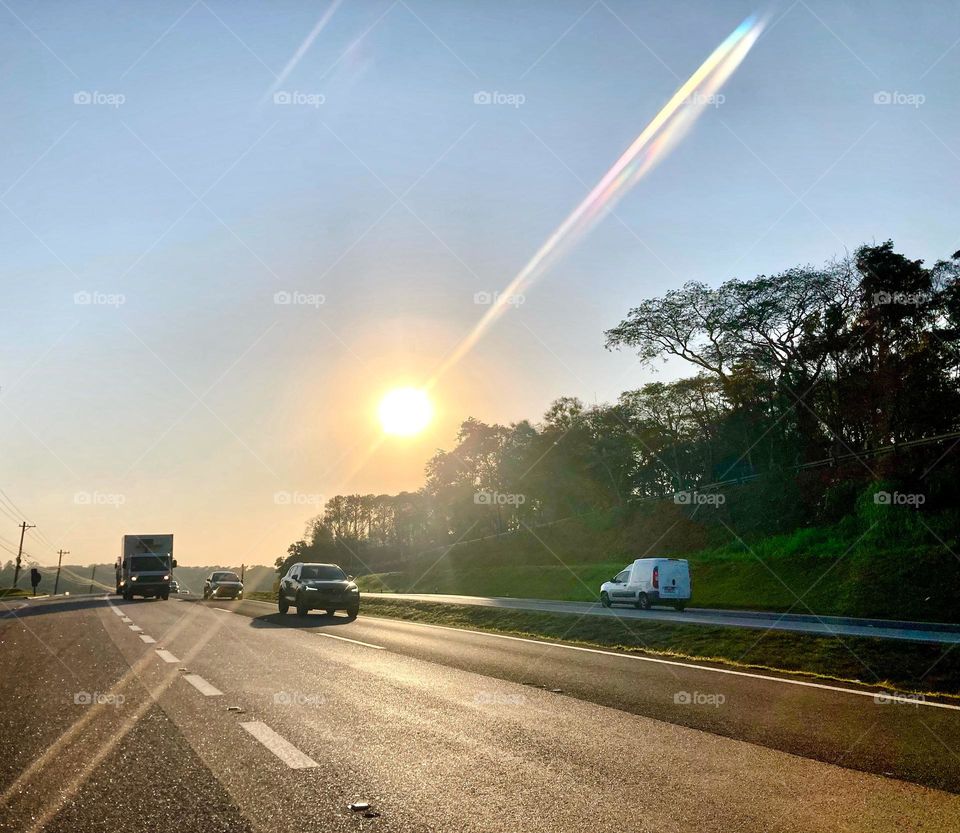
183,187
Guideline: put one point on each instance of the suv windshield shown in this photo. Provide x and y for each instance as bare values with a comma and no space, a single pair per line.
225,577
322,572
148,563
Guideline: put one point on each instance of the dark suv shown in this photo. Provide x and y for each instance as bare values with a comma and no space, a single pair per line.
325,586
223,584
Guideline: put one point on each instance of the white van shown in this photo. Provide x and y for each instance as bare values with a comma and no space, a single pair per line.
649,581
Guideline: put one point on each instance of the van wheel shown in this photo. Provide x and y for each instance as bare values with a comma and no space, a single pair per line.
643,602
604,599
282,604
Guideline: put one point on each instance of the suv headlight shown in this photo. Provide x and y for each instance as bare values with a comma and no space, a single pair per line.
133,578
353,589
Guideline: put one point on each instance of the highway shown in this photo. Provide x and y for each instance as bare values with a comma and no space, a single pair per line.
225,716
943,633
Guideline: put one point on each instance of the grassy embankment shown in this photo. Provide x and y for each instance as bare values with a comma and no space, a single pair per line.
829,571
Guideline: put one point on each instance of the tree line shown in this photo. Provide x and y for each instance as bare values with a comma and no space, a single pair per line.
809,363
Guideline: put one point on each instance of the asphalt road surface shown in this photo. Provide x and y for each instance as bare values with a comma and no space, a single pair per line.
196,716
761,620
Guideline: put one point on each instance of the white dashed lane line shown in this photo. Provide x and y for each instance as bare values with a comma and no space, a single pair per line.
354,641
135,628
202,685
148,639
126,620
225,610
283,749
166,656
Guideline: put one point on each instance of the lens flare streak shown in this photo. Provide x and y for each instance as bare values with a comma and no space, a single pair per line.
658,138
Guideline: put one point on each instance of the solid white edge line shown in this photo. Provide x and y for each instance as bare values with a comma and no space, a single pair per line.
892,696
166,656
283,749
202,685
149,640
354,641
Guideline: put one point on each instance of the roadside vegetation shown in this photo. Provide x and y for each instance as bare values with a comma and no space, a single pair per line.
809,462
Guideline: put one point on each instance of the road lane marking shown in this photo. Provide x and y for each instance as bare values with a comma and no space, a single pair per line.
166,656
135,628
148,639
202,685
225,610
354,641
126,620
283,749
886,696
116,610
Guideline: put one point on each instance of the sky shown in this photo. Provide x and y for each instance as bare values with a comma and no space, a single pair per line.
230,227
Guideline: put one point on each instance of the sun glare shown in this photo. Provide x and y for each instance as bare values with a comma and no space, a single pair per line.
405,412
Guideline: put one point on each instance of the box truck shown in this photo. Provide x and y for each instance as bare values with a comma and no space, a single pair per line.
145,566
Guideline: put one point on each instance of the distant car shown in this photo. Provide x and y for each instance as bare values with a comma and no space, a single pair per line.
649,581
223,584
174,586
325,586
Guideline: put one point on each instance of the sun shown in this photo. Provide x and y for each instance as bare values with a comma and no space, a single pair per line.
405,411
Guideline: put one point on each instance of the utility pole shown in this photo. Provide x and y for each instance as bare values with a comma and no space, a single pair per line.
23,529
242,568
93,574
56,584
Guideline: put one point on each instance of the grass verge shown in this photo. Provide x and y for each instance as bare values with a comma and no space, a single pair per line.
12,593
903,666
